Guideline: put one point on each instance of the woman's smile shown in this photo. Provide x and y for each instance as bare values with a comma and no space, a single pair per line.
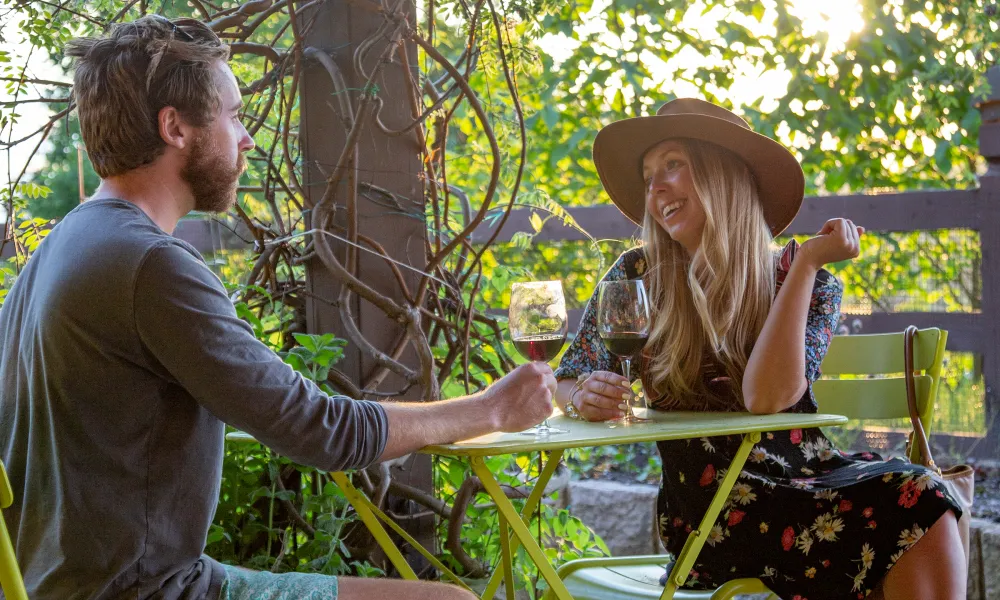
671,209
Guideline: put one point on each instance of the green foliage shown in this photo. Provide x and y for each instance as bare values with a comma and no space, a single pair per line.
314,356
27,233
253,526
61,174
890,106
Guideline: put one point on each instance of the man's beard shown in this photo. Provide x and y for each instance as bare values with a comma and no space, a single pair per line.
212,181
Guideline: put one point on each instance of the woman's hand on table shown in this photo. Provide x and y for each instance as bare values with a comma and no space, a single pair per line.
602,396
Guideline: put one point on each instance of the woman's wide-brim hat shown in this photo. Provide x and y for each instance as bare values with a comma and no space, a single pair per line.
620,146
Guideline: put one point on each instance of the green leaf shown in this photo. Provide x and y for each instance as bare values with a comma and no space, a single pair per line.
536,222
306,340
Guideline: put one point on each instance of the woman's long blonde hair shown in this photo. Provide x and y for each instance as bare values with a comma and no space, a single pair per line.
711,305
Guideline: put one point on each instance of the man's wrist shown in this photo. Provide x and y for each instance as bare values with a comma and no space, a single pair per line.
488,407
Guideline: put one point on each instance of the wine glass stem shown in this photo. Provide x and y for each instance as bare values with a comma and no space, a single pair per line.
544,428
627,371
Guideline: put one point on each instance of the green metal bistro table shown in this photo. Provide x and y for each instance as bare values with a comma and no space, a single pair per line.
513,525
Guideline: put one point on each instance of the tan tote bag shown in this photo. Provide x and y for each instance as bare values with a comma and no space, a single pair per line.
960,479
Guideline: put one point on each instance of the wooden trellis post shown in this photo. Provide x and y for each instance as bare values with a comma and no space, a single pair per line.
396,222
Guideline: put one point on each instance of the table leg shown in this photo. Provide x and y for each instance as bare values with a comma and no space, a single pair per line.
696,539
529,506
505,554
521,532
357,500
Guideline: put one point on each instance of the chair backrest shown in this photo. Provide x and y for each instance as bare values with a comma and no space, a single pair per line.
10,575
874,387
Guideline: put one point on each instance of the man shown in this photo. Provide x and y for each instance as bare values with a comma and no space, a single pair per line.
122,355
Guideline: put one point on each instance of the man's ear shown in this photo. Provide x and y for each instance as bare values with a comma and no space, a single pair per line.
173,129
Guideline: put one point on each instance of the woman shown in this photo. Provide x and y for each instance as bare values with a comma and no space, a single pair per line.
737,327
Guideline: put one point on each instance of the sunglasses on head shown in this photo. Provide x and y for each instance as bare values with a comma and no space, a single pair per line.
174,29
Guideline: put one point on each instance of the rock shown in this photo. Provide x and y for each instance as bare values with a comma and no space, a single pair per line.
622,514
974,590
989,553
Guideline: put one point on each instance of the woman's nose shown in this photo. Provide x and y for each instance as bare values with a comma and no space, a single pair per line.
659,181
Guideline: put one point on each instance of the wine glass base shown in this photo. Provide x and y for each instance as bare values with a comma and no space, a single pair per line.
542,431
631,420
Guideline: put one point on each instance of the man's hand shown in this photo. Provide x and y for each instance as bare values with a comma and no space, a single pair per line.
521,399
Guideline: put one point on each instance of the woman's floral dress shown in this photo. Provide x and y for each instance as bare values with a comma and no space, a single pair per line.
807,519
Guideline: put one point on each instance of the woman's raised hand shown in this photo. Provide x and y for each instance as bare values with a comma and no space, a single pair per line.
602,396
840,239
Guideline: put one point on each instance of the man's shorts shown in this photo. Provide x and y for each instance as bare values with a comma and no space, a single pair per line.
242,584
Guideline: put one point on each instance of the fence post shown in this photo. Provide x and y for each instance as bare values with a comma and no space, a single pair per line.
989,133
989,190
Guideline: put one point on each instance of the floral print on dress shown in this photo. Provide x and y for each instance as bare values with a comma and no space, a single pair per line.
810,521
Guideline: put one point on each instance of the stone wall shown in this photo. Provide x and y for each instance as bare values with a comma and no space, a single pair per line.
623,515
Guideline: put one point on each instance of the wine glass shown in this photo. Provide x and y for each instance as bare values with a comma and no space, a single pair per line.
538,326
623,324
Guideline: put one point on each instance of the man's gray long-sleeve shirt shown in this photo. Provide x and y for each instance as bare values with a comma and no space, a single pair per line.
121,358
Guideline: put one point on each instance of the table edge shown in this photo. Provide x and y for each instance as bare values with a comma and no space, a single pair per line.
822,420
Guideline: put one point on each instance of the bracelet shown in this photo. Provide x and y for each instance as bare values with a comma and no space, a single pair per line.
570,409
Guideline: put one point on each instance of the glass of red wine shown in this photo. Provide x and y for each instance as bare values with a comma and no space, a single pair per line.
538,325
623,324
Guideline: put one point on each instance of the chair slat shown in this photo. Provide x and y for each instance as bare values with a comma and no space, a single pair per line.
878,353
6,494
870,398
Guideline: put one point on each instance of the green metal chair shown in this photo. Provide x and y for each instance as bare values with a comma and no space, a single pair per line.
862,380
10,575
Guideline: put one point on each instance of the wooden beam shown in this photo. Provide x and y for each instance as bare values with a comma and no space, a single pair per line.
965,330
206,234
907,211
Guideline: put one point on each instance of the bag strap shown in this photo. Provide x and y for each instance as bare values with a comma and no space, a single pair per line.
911,400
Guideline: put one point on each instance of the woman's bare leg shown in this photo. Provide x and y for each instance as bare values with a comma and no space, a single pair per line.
934,568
